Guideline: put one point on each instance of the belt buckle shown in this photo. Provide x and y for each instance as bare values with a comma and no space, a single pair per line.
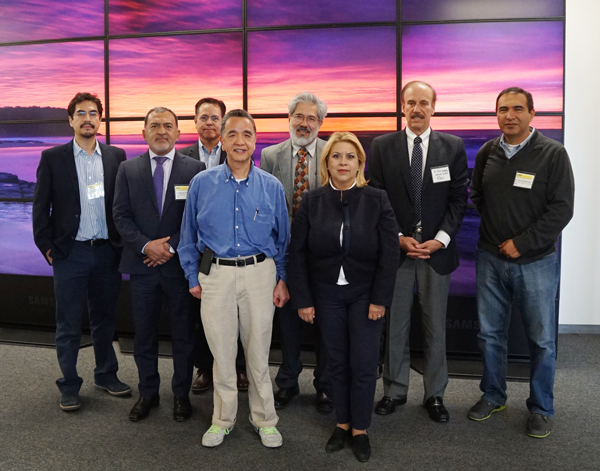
418,229
240,262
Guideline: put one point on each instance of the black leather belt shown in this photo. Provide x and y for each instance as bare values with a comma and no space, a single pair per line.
93,242
240,262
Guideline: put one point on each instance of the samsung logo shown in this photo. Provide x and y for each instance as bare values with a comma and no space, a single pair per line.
464,324
41,300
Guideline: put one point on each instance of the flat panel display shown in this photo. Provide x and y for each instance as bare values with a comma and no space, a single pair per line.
351,69
154,16
283,12
35,20
174,72
439,10
469,64
49,75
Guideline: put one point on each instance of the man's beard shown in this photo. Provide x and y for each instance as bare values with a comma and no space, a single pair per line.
302,141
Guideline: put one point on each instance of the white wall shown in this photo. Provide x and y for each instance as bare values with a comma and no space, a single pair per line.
580,283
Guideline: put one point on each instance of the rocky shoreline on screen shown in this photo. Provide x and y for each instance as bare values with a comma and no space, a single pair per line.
12,187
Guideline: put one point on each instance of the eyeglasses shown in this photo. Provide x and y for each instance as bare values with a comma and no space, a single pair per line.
83,114
204,118
309,119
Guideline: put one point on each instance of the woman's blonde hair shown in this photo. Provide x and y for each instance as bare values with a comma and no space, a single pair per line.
362,158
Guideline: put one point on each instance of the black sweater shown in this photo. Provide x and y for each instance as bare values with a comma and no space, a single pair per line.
533,218
370,253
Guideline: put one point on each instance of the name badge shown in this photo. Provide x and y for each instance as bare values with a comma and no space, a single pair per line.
95,191
440,174
181,192
524,180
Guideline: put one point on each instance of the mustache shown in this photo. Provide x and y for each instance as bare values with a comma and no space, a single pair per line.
88,123
417,115
303,128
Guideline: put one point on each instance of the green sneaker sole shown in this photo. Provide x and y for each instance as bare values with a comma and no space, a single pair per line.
538,436
497,409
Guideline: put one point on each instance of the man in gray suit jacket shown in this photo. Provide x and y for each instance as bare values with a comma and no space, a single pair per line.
295,163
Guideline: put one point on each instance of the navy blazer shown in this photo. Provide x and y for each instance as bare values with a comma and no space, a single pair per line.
443,205
193,151
56,199
136,216
370,249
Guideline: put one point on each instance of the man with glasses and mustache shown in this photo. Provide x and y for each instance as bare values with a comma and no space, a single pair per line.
424,173
73,228
208,149
295,163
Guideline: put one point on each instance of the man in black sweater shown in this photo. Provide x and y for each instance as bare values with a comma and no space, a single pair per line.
523,188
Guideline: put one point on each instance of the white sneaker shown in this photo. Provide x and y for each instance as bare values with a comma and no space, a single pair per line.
214,436
270,436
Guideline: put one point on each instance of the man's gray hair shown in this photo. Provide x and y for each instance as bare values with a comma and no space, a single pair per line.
307,97
160,109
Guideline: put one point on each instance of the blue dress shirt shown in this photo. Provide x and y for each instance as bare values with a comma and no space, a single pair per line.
235,219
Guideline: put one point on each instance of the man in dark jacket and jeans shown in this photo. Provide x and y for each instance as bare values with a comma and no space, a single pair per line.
523,189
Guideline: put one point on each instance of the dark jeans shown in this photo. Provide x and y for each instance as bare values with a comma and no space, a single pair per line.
351,341
290,328
147,293
88,273
203,358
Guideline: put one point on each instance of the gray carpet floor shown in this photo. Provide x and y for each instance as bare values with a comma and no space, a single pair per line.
36,435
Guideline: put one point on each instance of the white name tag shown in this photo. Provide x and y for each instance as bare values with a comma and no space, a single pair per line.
440,174
181,192
524,180
95,191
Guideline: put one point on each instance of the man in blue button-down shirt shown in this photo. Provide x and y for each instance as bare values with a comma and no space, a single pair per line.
238,211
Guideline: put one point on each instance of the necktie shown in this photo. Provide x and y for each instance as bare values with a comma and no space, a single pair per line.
158,178
300,179
416,177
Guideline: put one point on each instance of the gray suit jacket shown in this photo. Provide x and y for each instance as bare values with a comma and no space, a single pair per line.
276,161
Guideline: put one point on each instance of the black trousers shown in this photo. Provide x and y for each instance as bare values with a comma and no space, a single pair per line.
290,328
351,342
147,293
203,358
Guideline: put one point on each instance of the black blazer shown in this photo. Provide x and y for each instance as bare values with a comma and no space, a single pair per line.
370,250
136,211
56,199
443,205
193,151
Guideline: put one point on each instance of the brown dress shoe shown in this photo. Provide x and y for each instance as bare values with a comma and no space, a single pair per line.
203,382
242,381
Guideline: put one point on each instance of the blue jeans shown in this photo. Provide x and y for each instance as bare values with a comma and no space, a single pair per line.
532,288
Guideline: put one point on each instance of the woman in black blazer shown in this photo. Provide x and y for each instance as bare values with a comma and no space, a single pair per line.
344,255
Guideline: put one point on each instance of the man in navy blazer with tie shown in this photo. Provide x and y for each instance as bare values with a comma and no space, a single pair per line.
150,197
73,228
424,173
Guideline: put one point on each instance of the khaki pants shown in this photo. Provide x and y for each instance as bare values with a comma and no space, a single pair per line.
240,299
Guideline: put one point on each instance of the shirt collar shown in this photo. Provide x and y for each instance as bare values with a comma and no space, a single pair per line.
215,149
424,137
170,155
331,184
310,148
77,148
229,175
511,150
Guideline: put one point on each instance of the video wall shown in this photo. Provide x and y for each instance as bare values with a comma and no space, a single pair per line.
257,54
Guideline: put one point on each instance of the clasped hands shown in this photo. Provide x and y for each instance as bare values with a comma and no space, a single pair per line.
420,250
307,314
157,252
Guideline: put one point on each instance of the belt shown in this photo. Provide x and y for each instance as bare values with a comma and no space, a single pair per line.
93,242
418,229
240,262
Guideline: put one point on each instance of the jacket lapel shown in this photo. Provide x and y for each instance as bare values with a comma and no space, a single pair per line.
177,171
433,158
69,161
284,155
403,161
145,170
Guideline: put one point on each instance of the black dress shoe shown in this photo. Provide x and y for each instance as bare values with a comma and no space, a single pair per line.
142,407
324,402
361,447
436,409
242,381
182,409
387,405
337,441
284,396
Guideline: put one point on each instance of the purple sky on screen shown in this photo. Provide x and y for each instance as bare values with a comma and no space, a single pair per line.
151,16
174,72
351,69
469,64
32,20
284,12
427,10
51,74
